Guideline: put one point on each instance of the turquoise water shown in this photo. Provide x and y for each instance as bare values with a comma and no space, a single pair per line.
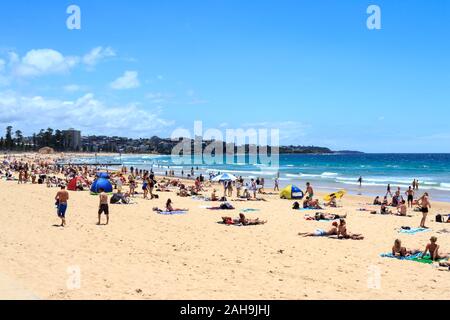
327,171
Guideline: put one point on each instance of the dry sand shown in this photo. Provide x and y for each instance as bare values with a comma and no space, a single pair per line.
143,255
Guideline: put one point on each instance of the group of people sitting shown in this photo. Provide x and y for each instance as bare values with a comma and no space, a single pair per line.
432,248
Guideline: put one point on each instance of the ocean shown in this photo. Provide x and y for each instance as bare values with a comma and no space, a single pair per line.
327,171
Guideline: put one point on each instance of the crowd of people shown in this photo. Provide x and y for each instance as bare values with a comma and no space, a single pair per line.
140,182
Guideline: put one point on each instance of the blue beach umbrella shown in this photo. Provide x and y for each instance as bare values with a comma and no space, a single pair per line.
225,177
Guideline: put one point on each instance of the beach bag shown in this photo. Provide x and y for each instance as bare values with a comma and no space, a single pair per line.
439,218
296,206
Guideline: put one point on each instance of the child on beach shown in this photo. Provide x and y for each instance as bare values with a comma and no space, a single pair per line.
103,206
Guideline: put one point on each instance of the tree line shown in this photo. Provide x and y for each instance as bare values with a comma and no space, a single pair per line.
15,141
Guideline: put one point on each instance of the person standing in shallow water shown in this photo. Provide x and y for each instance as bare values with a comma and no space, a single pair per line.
360,180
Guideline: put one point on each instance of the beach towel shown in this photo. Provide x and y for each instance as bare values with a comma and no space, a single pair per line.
413,231
169,213
249,210
415,257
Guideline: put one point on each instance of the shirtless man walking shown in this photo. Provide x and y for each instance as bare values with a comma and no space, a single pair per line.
103,207
62,197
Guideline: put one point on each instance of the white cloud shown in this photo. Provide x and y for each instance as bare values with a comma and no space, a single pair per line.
73,88
86,113
129,80
39,62
97,54
2,65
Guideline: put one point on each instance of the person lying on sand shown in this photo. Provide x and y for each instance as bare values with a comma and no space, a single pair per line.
399,251
433,249
169,207
322,233
242,221
250,222
328,216
343,234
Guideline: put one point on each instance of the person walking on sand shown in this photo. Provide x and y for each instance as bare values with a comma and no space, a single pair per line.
103,207
388,190
61,198
425,206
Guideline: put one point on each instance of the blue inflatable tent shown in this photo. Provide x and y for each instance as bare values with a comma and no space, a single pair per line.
101,183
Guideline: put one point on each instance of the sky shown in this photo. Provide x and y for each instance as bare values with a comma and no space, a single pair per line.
312,69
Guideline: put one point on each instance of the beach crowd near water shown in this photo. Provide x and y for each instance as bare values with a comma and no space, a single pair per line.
222,192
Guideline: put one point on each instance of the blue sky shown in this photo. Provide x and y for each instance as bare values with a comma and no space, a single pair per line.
310,68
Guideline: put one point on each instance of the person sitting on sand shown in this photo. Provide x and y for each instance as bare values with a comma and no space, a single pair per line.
385,201
250,222
402,210
399,251
322,233
433,249
332,203
169,207
214,196
343,234
384,209
376,201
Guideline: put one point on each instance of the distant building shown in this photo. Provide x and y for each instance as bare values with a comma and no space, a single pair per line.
72,139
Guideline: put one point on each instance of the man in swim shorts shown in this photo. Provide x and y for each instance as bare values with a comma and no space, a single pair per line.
103,207
62,197
424,205
322,233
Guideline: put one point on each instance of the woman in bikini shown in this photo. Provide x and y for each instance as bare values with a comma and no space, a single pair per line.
399,251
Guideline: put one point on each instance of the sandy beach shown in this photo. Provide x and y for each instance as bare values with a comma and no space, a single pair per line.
143,255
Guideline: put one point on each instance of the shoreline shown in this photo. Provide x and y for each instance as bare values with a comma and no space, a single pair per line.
144,255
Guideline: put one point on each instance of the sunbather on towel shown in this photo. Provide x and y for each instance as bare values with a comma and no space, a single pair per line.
322,233
399,251
343,234
250,222
433,248
328,216
169,207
